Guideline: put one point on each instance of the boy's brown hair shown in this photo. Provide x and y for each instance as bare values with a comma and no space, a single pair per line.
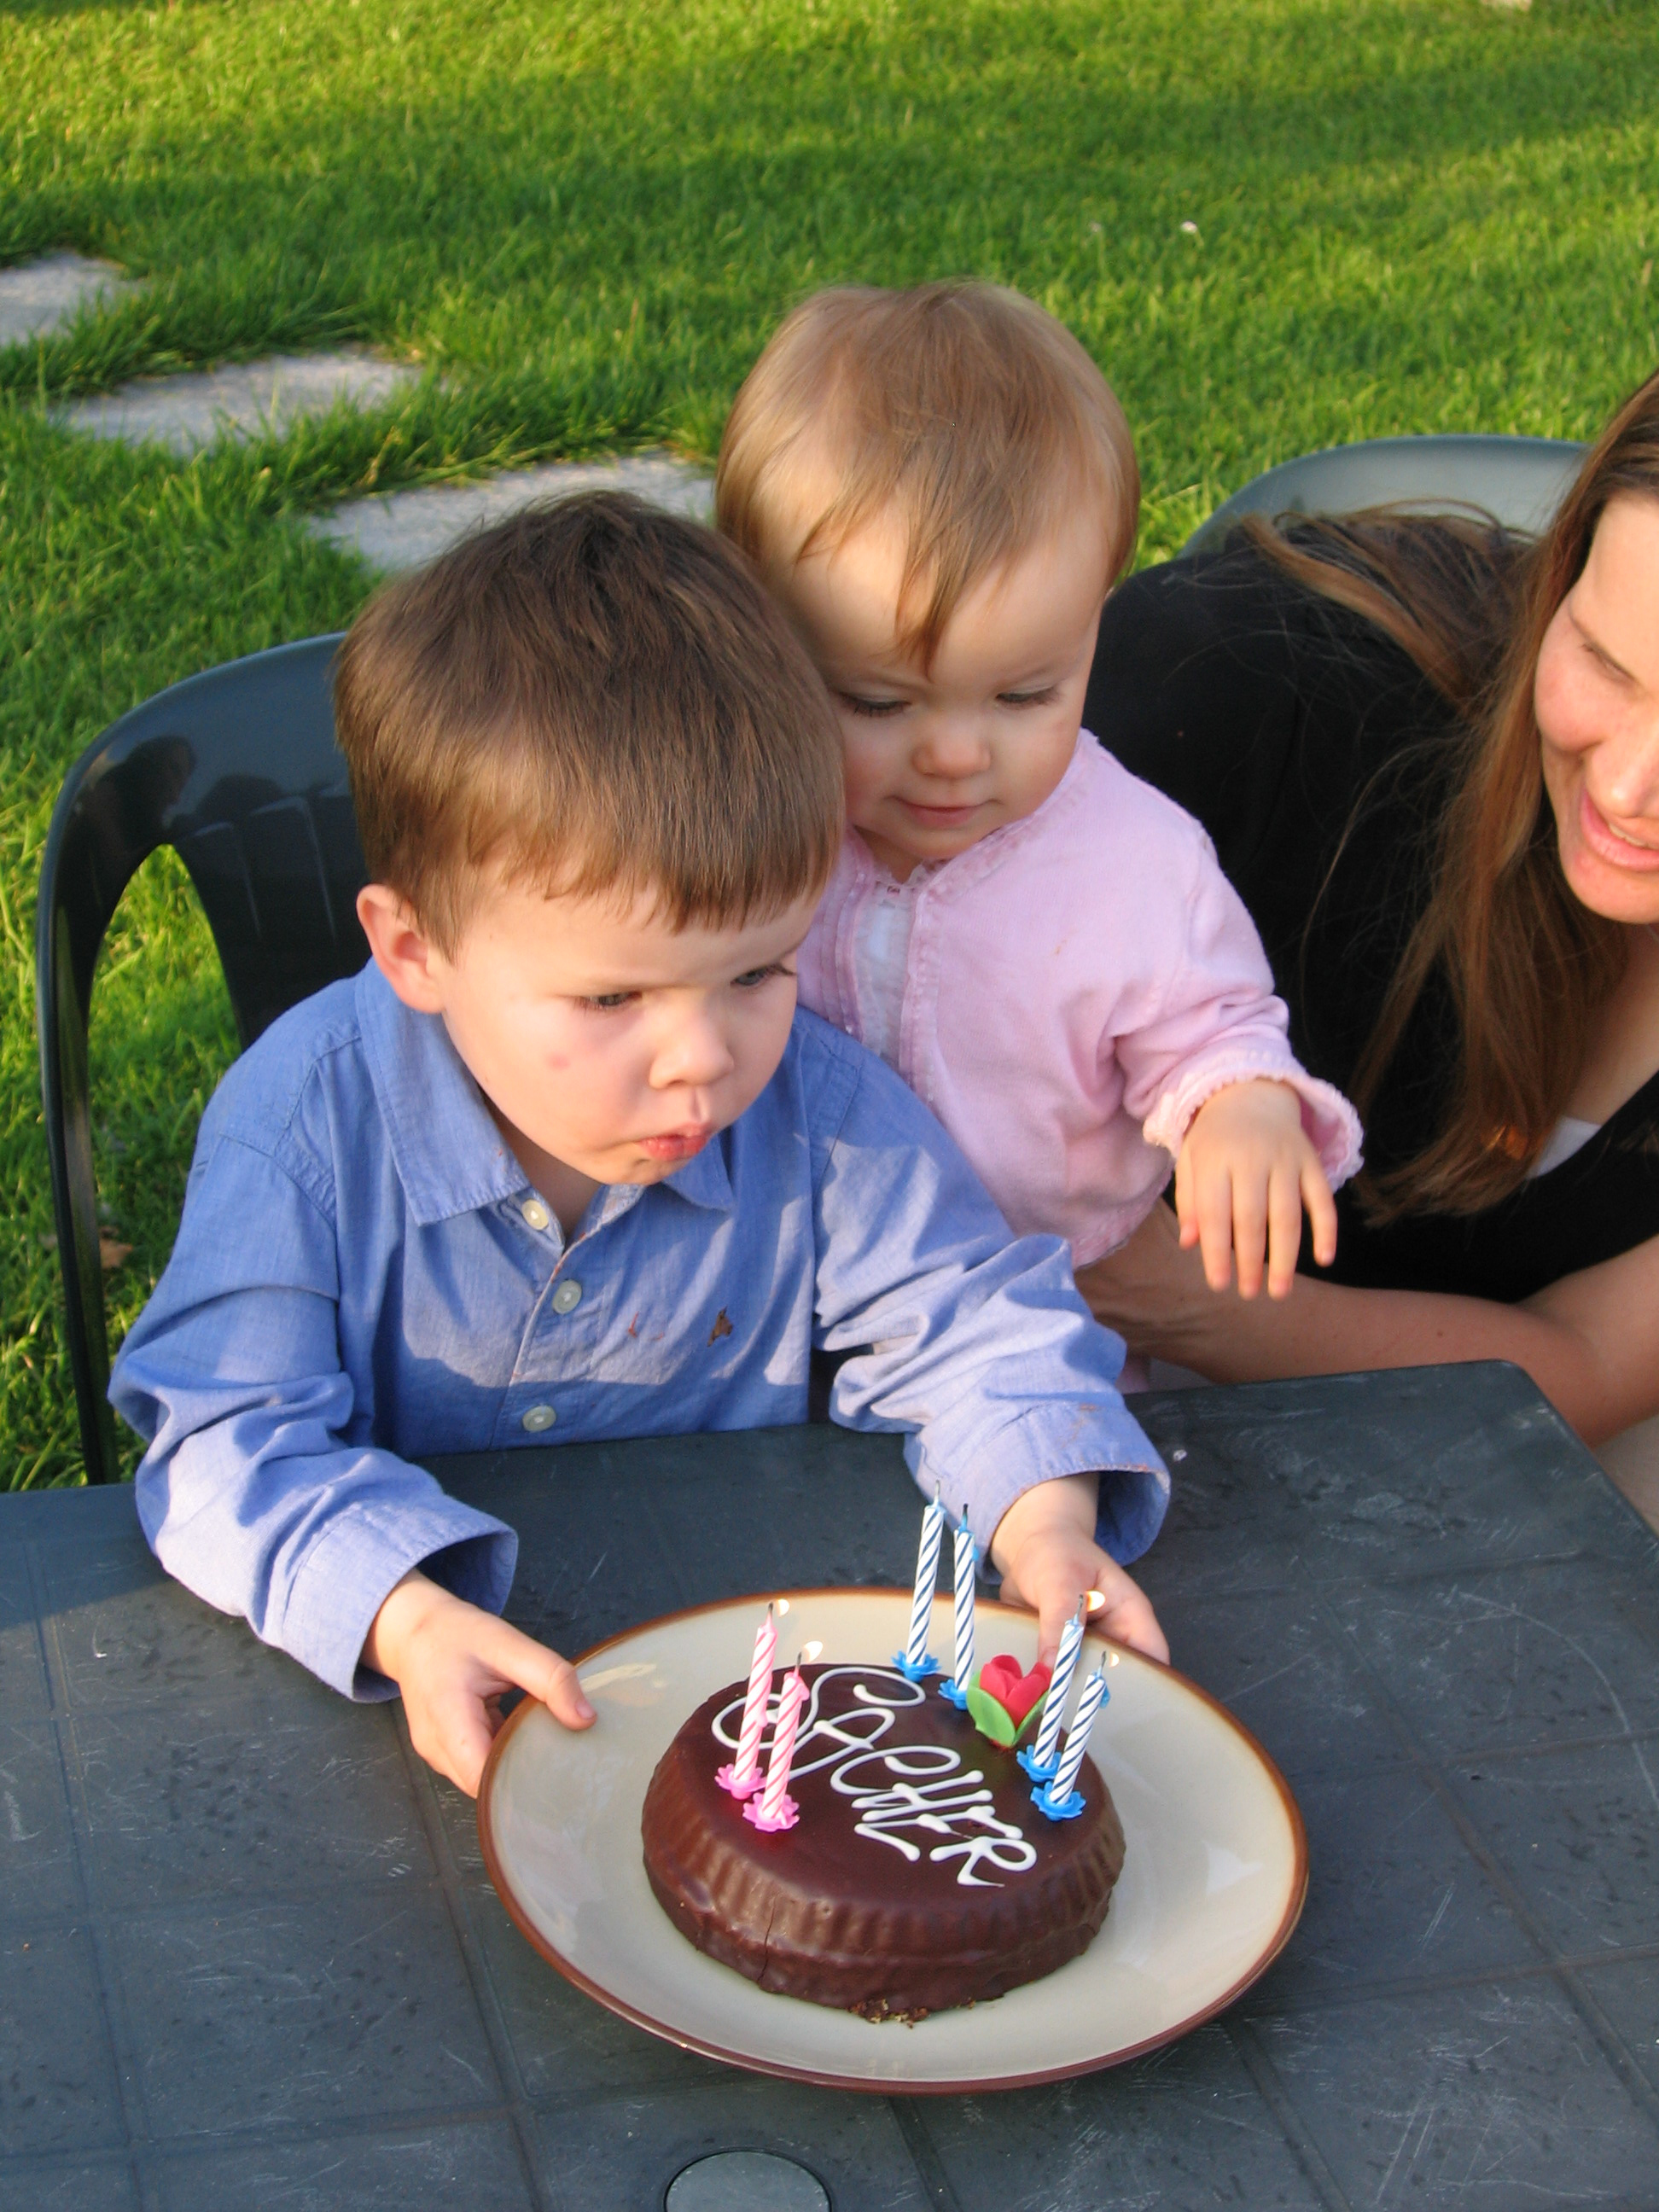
965,408
592,696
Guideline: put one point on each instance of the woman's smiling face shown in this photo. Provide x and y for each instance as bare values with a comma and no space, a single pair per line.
1596,697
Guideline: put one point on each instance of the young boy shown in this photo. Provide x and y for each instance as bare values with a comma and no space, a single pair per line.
564,1161
941,487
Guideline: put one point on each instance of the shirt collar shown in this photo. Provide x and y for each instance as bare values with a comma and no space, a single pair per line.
705,1181
451,1157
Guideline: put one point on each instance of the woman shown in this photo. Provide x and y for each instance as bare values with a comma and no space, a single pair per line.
1429,755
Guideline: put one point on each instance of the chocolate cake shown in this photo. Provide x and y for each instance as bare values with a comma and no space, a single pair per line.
919,1876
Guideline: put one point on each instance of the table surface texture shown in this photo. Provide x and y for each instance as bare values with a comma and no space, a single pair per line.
251,1956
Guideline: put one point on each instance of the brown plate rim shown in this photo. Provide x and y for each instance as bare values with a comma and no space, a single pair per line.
979,2084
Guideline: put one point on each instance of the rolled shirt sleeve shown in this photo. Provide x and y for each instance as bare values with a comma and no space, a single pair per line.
261,1489
975,1344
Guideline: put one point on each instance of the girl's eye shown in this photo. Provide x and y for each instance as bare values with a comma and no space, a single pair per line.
752,977
877,710
1029,698
608,1001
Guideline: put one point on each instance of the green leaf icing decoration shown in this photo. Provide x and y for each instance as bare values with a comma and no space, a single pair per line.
994,1719
990,1717
1030,1719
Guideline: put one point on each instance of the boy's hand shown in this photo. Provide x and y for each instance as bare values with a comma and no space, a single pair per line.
1244,1173
452,1662
1045,1548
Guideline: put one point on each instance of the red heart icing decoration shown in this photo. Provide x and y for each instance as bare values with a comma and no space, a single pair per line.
1000,1678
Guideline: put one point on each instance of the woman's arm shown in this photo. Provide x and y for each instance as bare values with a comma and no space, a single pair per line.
1589,1342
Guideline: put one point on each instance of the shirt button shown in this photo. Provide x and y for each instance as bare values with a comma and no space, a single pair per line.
537,1418
567,1297
535,1214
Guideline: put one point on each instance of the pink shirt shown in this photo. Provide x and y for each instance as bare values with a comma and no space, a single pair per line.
1074,987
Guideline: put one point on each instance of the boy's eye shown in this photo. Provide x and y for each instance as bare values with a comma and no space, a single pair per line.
752,977
875,709
607,1002
1029,698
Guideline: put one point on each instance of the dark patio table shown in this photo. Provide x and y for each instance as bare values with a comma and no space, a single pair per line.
250,1957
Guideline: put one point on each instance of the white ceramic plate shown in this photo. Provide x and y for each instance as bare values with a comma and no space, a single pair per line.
1213,1882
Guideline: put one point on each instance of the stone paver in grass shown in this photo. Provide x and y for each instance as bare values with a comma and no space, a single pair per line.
402,529
244,400
39,298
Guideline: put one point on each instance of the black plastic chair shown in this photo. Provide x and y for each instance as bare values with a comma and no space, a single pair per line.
237,770
1519,482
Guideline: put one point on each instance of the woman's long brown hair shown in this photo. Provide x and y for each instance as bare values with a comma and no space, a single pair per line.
1528,966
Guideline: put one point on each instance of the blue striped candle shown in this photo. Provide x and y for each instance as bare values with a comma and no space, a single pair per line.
967,1559
917,1660
1039,1763
1077,1743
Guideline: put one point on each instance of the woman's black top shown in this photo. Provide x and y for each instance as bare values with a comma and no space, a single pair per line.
1317,756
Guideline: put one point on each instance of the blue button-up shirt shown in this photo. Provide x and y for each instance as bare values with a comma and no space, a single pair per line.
363,1278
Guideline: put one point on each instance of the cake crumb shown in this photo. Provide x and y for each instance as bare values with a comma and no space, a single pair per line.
876,2009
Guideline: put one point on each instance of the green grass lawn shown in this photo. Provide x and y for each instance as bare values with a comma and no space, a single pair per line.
583,218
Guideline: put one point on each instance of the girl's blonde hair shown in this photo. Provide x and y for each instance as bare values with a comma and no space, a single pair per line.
964,408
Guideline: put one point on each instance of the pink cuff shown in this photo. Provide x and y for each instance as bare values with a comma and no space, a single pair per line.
1330,1121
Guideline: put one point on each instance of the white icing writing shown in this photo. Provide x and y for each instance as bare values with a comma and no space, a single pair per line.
919,1787
953,1803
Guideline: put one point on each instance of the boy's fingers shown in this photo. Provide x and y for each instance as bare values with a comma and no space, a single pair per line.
1052,1616
455,1740
562,1694
540,1673
1321,1212
1052,1607
470,1747
1132,1622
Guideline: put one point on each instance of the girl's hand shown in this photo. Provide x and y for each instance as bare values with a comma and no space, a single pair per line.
452,1662
1245,1172
1045,1548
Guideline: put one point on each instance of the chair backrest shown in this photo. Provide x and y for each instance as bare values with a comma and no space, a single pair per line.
238,770
1519,482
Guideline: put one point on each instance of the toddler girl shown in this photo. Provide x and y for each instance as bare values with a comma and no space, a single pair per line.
941,486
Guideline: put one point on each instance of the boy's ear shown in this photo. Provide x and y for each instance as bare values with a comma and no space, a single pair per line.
403,951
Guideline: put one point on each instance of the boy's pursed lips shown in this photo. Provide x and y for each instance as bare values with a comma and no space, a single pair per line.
678,1144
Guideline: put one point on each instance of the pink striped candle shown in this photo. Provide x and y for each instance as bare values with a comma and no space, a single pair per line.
743,1776
774,1809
